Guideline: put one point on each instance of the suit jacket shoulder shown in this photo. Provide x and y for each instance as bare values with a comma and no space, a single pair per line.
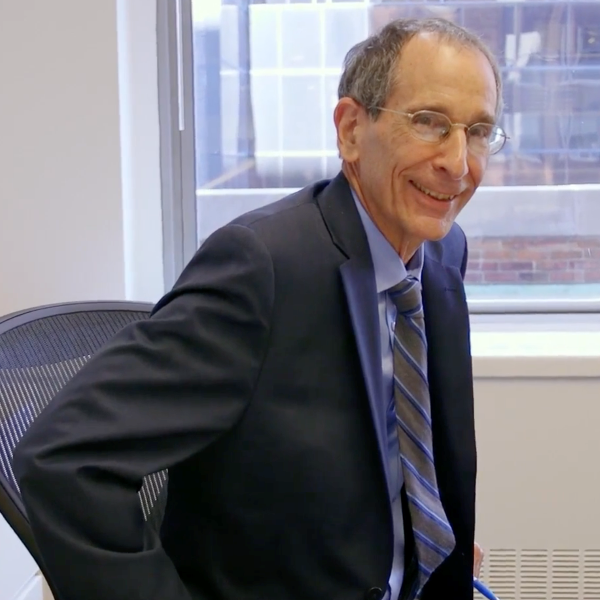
290,206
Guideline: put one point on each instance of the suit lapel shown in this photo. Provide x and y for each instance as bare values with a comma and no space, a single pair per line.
446,323
361,295
358,277
449,369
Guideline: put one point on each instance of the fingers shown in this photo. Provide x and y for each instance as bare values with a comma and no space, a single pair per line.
477,559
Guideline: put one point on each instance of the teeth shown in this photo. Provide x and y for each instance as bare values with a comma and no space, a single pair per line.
431,193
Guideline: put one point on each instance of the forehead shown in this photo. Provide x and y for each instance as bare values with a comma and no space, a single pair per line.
458,81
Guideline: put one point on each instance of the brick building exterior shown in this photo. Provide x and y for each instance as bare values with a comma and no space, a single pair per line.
518,260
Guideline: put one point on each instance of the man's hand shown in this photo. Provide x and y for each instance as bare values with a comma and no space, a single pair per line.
477,559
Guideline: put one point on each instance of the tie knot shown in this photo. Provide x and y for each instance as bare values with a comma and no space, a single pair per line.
407,297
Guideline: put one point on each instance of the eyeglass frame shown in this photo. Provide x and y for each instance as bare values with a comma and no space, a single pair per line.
466,127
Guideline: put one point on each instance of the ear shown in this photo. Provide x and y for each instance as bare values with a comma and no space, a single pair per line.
348,117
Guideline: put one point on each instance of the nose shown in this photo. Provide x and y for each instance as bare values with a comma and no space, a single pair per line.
453,154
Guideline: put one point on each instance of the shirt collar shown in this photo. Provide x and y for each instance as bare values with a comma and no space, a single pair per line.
389,268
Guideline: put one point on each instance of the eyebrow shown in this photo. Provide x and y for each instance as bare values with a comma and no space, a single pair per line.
482,117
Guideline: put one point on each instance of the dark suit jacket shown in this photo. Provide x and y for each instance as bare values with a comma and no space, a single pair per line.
254,382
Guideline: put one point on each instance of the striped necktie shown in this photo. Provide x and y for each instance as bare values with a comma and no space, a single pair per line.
434,539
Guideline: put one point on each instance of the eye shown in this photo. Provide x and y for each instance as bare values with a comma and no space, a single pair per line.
431,121
481,131
424,119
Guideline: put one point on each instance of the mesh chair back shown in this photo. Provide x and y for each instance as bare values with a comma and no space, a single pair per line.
40,351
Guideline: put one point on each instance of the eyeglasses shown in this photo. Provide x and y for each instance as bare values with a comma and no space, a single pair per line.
483,139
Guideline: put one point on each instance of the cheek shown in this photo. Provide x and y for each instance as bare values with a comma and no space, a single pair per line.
476,169
374,155
395,151
384,167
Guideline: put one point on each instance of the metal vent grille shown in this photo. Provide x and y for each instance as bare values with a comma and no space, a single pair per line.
591,575
530,574
534,573
500,572
566,572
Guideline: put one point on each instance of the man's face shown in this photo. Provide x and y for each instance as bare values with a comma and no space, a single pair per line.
393,170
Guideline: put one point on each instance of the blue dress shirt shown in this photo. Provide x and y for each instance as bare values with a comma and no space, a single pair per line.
389,271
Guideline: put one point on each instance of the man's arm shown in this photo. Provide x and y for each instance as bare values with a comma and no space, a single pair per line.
162,391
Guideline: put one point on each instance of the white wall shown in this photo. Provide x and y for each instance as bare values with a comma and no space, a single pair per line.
537,410
64,233
17,569
80,213
140,149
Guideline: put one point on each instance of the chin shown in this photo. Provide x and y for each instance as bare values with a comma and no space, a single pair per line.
434,231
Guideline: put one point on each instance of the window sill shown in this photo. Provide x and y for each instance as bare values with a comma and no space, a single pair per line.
536,346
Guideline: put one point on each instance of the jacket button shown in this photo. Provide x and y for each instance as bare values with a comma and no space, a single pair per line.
374,593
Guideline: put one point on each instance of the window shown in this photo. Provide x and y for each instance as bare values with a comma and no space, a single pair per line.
265,81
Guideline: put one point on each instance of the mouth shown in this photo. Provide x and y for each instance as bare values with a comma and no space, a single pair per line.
432,194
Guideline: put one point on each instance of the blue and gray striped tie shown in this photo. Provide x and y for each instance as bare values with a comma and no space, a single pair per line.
434,539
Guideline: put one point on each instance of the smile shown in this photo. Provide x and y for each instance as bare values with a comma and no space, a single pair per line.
433,194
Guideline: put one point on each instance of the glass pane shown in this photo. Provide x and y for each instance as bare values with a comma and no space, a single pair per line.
266,76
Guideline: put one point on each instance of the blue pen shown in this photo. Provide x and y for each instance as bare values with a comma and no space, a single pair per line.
483,590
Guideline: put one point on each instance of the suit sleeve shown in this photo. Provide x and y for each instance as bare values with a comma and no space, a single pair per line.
160,392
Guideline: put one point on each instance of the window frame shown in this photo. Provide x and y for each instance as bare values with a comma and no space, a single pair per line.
176,118
176,108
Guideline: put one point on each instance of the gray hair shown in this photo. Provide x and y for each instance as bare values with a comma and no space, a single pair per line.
369,77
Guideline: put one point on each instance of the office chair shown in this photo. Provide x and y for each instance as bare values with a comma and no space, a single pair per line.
41,349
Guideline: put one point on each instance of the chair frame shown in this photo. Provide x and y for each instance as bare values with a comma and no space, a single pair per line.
11,505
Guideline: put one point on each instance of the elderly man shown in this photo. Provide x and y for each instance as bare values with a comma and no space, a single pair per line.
307,381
